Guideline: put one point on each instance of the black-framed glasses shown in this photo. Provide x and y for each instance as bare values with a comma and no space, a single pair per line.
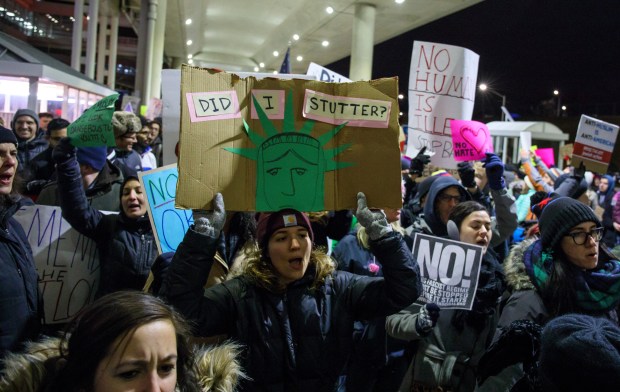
445,197
581,237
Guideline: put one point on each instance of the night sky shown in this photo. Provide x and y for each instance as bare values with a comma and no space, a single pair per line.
527,49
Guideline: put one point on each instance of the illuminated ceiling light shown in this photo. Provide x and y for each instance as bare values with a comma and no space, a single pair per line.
399,1
188,22
296,37
299,58
2,9
10,14
400,113
275,53
189,42
189,56
262,65
329,10
325,43
275,72
400,96
190,61
256,69
556,92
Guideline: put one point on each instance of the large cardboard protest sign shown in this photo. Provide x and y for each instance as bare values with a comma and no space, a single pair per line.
94,126
449,271
442,87
594,144
67,262
310,145
471,140
169,224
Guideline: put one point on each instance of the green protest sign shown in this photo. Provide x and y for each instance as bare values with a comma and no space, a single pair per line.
94,127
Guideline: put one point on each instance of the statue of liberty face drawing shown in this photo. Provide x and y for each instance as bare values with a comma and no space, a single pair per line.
291,164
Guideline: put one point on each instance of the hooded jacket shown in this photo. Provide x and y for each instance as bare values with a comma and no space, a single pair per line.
126,246
298,340
608,214
20,304
217,367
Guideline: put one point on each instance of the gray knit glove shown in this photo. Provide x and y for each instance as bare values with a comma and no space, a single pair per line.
375,222
211,223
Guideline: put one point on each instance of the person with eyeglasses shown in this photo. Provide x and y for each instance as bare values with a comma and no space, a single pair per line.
566,270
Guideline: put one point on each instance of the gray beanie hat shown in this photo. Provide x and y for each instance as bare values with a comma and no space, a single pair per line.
559,216
25,112
125,122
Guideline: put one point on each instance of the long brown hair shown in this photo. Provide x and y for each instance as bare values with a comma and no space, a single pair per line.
263,273
90,336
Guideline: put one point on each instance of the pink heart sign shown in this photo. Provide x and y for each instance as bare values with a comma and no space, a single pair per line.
471,140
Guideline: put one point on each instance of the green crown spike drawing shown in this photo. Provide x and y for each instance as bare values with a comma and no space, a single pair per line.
291,164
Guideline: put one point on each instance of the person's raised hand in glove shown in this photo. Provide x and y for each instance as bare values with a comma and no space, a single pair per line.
417,164
467,174
495,171
211,223
64,151
427,318
375,222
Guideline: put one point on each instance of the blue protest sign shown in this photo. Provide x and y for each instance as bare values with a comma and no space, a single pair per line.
169,224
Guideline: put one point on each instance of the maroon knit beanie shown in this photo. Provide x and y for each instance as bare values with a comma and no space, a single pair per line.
269,223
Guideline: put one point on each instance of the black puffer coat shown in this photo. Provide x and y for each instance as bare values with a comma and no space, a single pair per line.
298,340
20,307
126,246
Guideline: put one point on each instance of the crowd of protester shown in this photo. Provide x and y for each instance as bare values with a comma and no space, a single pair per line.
295,301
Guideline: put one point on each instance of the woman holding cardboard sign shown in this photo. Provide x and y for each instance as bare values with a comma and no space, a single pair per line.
125,241
446,353
290,309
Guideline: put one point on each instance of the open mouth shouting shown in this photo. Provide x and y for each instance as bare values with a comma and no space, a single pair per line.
6,179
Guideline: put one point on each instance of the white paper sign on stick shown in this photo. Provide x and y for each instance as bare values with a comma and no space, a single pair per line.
442,87
525,139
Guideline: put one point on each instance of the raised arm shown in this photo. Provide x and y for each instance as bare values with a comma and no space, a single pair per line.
73,202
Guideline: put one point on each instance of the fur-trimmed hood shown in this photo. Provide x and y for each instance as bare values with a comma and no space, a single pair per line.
516,277
217,367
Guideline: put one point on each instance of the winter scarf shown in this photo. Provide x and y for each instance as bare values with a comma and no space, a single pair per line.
597,289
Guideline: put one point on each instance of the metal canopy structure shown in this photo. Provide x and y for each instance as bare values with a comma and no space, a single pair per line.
504,132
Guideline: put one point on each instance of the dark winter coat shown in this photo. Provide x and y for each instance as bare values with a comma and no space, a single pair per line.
102,194
298,340
20,304
608,214
129,162
373,349
126,246
27,150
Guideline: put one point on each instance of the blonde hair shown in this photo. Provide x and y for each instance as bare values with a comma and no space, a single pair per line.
263,273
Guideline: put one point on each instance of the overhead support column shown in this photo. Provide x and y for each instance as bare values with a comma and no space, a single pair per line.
91,41
33,91
76,42
113,50
102,48
148,15
158,49
363,42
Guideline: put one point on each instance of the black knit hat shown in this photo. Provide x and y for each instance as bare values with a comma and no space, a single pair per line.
7,136
559,216
580,353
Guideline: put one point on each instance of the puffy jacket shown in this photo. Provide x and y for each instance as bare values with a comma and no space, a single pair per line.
298,340
20,306
126,246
